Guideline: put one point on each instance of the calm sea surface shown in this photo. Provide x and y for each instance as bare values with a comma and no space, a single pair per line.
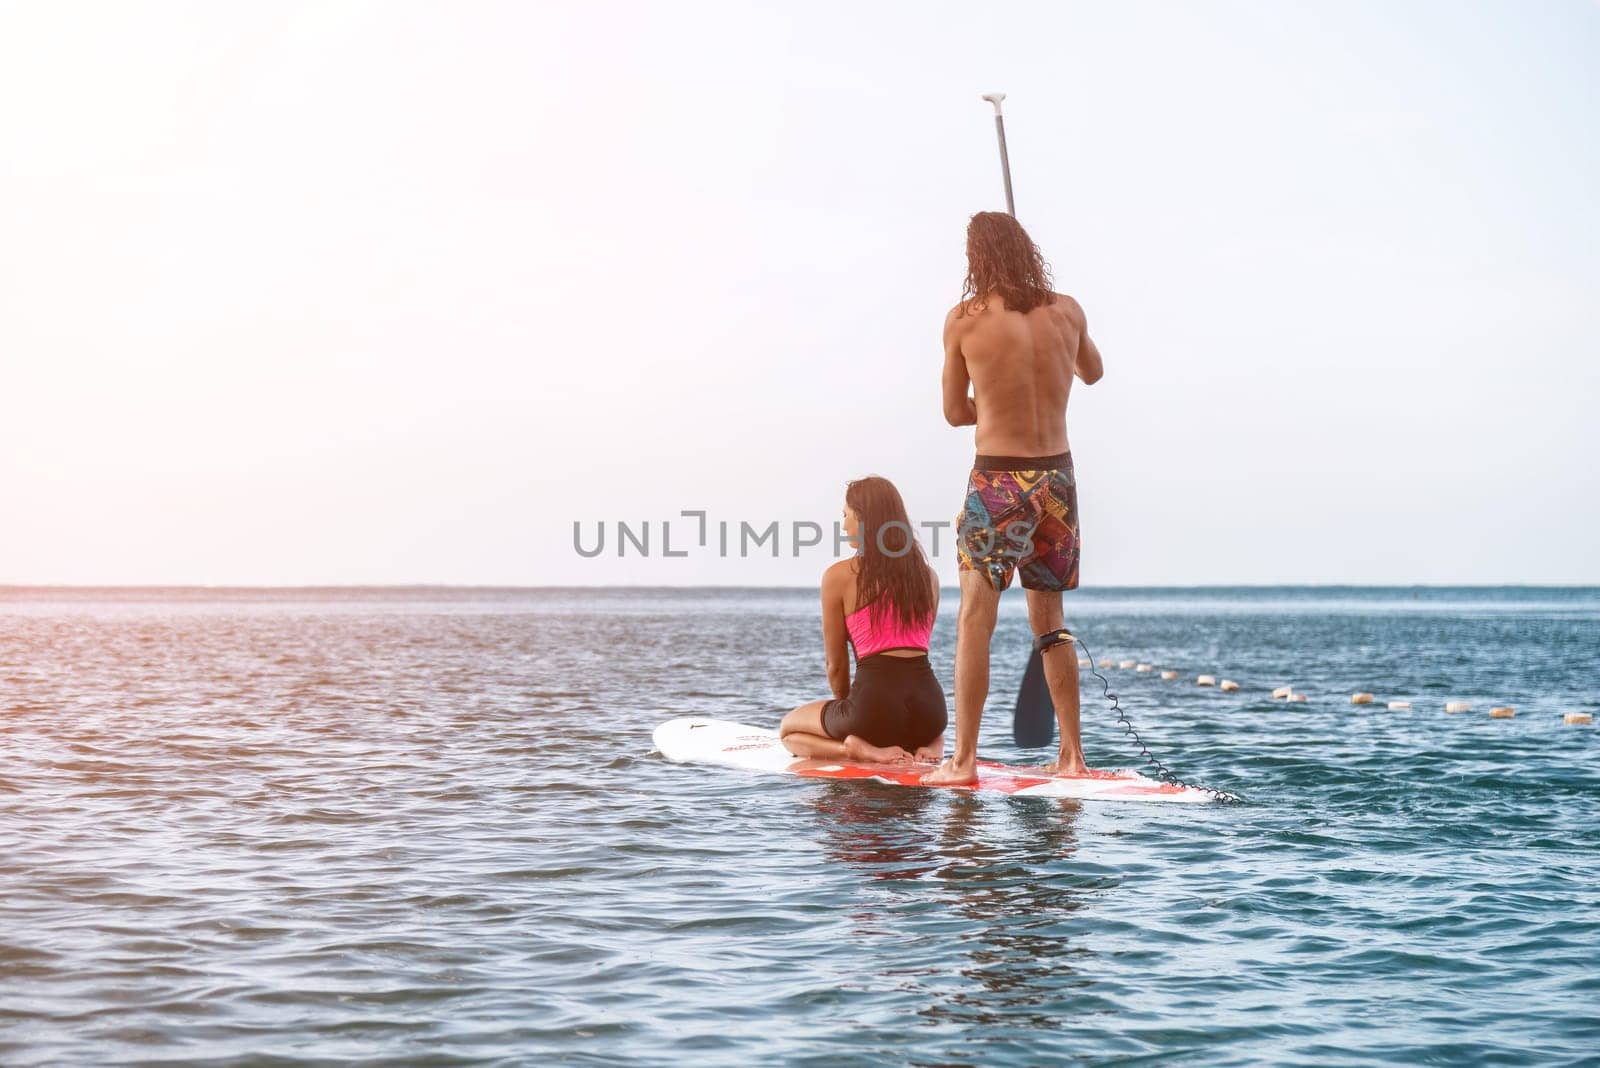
426,827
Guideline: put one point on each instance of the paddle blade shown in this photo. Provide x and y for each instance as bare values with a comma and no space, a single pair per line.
1034,725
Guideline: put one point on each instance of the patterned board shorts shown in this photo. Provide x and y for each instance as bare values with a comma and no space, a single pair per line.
1021,511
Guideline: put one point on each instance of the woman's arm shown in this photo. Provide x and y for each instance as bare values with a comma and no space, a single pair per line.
834,646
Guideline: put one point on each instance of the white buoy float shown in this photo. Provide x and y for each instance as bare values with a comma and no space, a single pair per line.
1577,717
1282,693
1399,706
1108,663
1458,706
1361,698
1169,675
1298,698
1142,668
1227,686
1084,661
1206,680
1125,664
1503,712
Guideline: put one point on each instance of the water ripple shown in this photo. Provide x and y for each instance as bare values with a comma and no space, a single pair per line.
425,827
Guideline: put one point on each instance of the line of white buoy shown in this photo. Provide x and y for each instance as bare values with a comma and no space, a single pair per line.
1288,693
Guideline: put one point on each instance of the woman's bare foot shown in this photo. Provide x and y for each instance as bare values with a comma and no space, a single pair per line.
858,749
951,774
929,755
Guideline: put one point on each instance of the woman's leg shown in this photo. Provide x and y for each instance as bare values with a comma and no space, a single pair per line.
862,751
802,734
930,715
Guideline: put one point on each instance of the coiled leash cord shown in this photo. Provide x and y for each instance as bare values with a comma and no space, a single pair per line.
1151,759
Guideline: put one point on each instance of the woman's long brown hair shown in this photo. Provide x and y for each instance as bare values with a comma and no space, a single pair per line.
1002,258
892,564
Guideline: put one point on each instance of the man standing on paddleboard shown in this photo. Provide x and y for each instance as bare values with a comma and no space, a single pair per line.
1018,346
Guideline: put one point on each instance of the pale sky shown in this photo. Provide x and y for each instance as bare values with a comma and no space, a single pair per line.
392,292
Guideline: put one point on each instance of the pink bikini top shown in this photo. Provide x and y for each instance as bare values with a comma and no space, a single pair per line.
873,628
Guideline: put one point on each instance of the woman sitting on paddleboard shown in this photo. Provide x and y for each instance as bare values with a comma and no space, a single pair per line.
882,601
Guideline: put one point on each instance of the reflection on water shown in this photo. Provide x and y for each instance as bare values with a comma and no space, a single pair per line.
880,831
1018,892
1009,878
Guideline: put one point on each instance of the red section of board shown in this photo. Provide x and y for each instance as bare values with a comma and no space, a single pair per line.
1002,778
1005,782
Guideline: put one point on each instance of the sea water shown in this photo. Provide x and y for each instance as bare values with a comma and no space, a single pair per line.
424,826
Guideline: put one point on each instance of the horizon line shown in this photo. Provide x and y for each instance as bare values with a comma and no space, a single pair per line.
7,588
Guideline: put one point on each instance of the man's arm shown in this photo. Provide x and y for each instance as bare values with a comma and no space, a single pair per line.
1089,368
959,409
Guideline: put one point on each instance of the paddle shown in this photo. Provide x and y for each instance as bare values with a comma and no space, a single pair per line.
1005,162
1034,723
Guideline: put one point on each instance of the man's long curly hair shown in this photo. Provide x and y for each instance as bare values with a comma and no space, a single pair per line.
1002,258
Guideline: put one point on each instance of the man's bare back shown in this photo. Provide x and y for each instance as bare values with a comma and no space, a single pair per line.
1020,367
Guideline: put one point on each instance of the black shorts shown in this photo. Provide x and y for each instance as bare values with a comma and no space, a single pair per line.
893,700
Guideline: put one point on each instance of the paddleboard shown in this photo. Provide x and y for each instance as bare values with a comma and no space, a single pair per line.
693,740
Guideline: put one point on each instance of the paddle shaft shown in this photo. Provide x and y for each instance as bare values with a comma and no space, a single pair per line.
1005,163
1005,160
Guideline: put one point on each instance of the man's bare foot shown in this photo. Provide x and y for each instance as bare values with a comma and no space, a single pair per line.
951,774
1067,765
858,749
